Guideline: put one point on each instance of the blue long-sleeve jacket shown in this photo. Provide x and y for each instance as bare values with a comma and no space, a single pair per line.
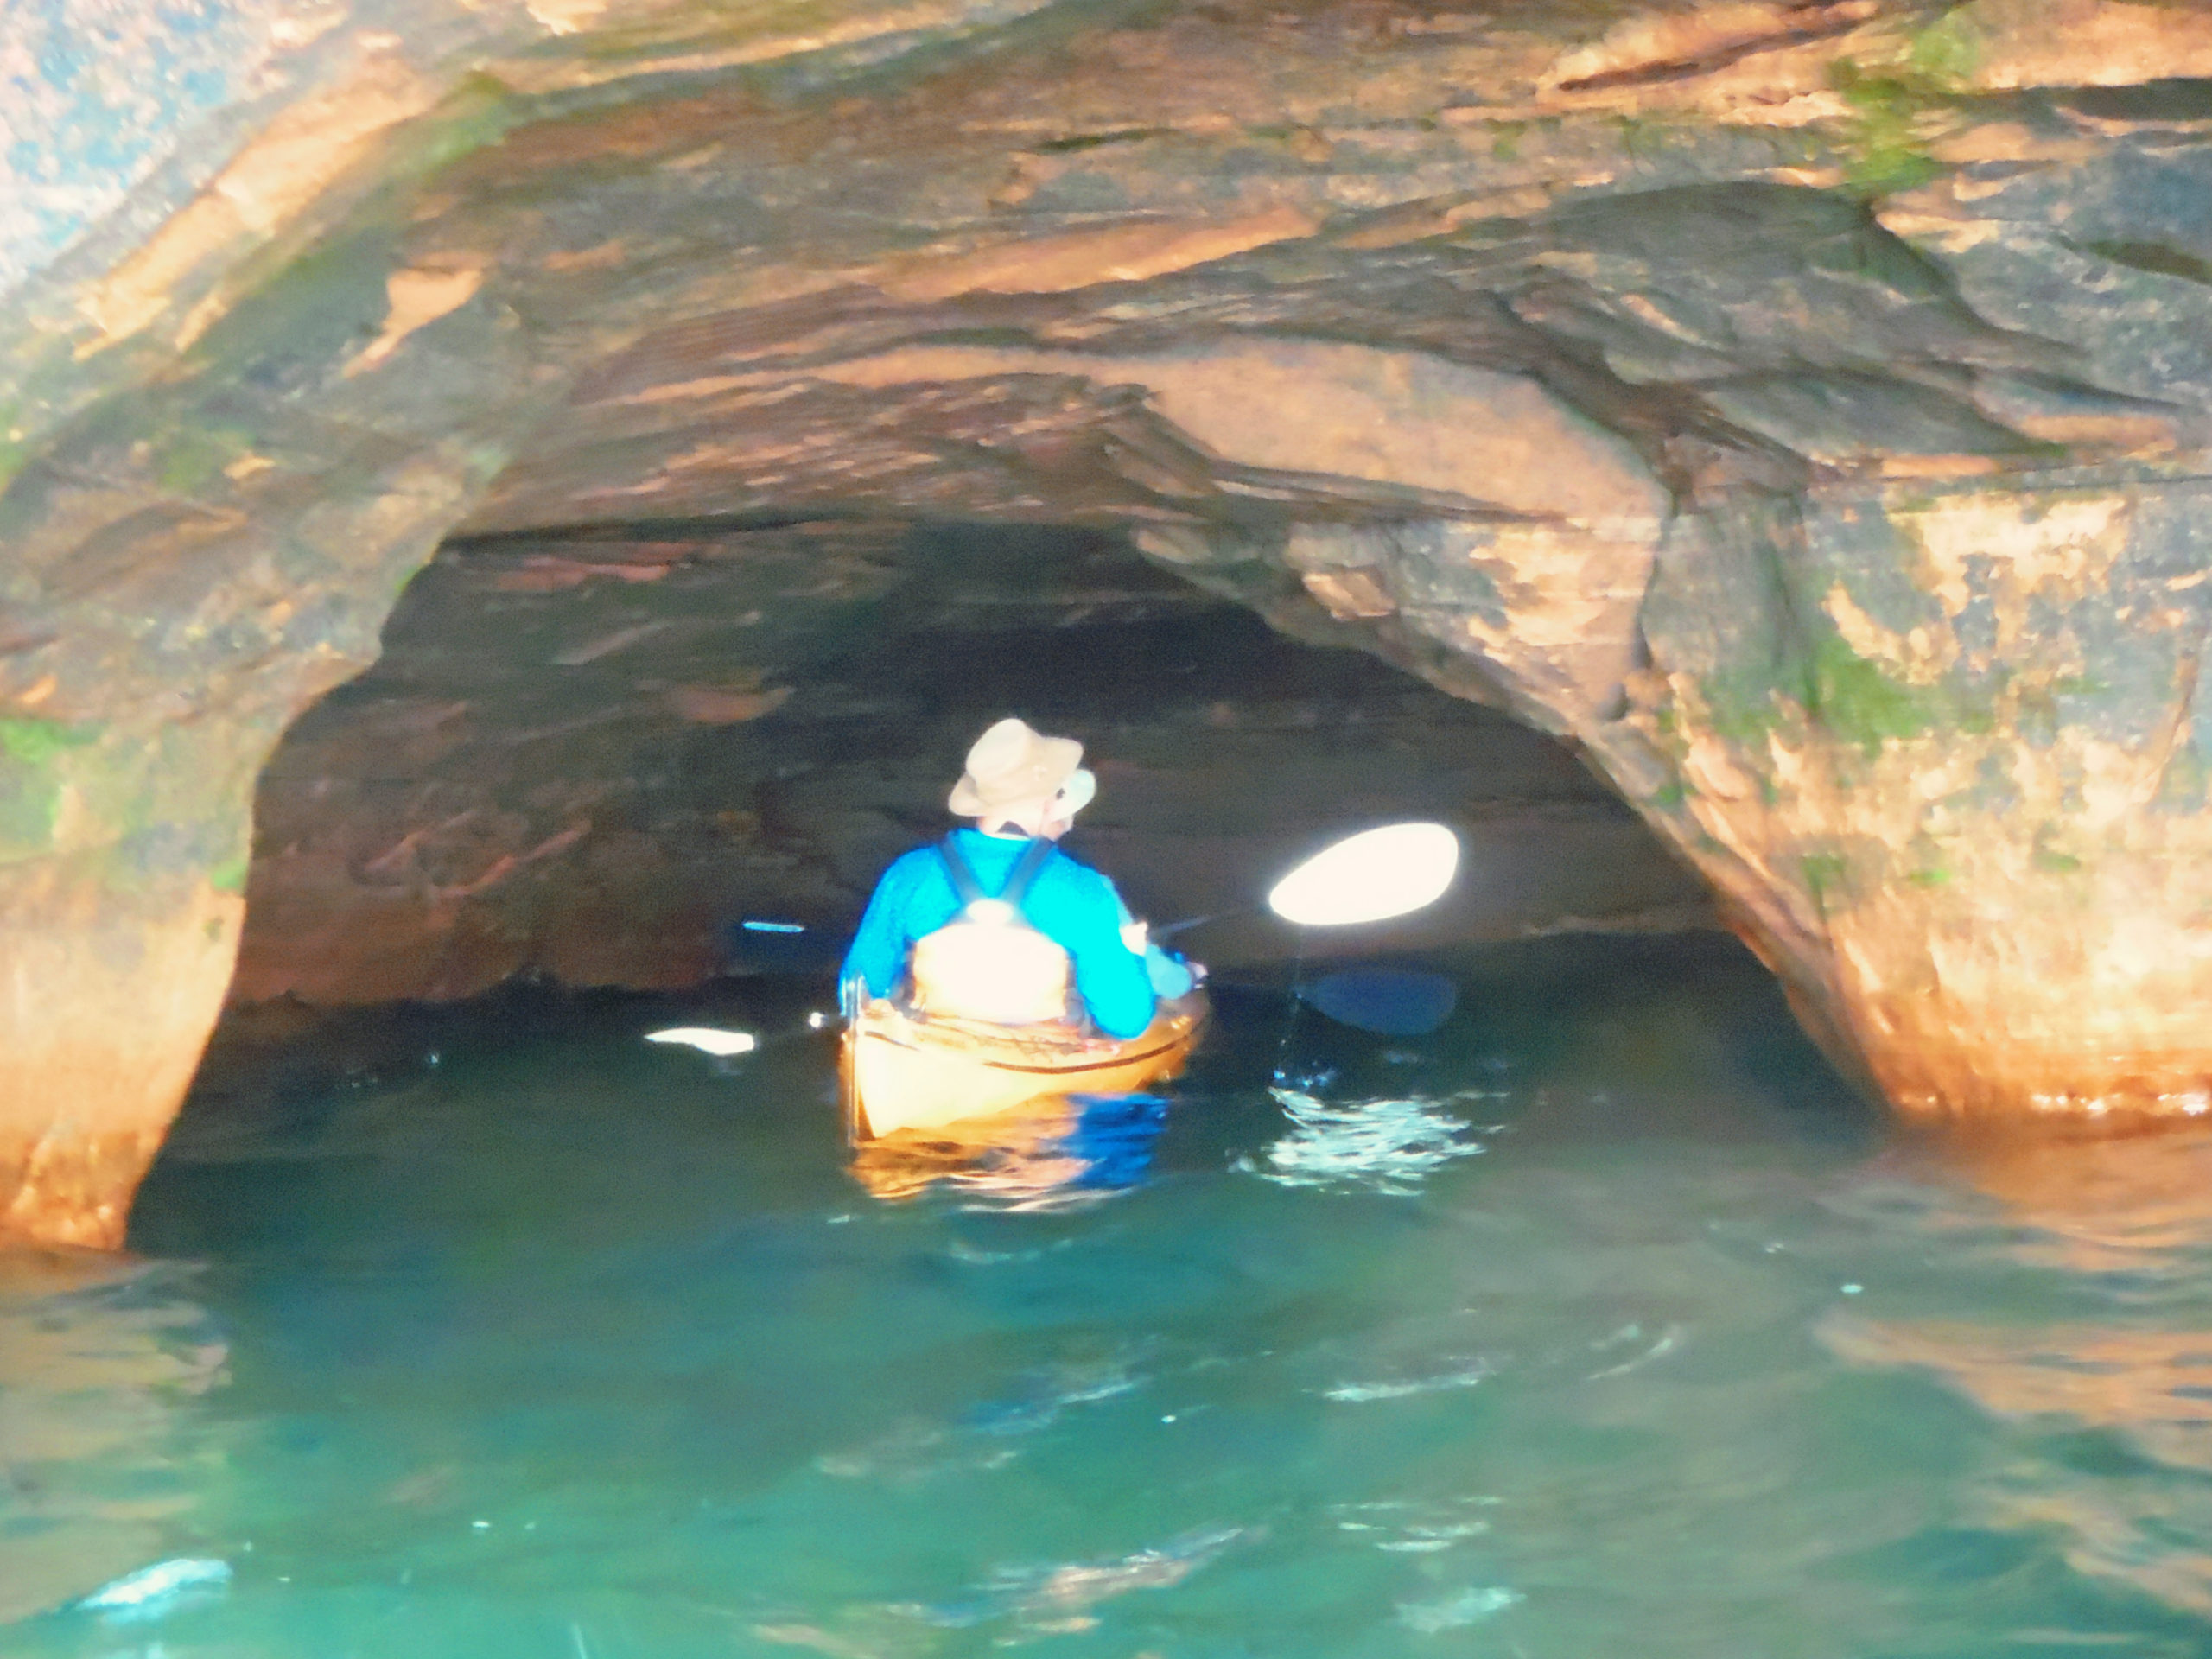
1069,903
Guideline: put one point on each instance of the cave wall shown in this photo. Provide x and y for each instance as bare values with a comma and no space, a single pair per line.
582,760
1801,407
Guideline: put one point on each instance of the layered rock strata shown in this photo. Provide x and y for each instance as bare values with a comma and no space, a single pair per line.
588,759
1801,407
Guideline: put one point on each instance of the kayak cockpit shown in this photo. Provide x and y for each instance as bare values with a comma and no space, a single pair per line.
908,1071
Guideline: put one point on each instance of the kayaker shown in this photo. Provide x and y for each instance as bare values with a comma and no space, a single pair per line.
996,922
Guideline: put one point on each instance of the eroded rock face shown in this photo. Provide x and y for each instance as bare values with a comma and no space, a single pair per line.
1797,405
588,759
1960,774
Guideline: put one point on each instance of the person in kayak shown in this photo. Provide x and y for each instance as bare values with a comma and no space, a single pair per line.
996,923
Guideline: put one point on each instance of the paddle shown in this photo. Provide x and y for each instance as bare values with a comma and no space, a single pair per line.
708,1039
1373,876
1389,1002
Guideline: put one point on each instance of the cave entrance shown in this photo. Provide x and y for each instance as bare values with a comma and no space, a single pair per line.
583,756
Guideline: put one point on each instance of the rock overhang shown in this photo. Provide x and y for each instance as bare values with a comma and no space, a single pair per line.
587,758
1793,292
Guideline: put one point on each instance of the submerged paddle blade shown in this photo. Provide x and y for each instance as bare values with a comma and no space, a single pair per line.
1370,877
1385,1000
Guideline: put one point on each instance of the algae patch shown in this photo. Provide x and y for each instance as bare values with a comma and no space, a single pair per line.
31,781
1857,702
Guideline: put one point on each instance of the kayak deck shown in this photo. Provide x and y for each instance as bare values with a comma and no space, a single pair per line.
903,1071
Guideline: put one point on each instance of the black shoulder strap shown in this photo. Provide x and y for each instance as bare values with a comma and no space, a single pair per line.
965,887
968,889
1033,860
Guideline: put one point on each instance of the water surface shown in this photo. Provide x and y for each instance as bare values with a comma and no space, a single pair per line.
1603,1322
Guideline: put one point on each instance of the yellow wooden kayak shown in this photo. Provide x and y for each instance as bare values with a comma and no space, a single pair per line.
905,1070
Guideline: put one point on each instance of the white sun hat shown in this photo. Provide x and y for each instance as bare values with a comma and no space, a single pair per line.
1012,766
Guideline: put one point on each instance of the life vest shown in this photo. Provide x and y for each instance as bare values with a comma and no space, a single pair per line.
988,963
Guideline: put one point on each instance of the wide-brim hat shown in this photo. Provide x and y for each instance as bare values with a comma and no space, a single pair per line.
1012,766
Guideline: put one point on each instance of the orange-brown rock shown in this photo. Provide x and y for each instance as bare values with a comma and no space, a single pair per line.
1975,822
108,1005
537,780
1796,406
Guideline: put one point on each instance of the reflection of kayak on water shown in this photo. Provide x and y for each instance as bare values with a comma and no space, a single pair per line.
1061,1149
908,1071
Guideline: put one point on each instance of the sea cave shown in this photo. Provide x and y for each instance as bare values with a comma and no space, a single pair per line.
512,513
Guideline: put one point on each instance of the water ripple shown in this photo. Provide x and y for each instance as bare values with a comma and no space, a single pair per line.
1403,1389
1415,1526
2140,1520
980,1441
1454,1612
1385,1146
1058,1598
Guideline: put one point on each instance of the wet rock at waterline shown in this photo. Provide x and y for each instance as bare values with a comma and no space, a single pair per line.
1798,407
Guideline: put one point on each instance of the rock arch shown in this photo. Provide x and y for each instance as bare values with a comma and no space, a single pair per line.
1799,407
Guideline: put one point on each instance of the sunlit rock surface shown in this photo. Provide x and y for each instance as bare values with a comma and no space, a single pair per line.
1801,407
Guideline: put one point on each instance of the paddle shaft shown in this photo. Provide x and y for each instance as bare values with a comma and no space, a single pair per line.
1190,922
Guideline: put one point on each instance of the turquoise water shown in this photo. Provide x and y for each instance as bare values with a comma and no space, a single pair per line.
1601,1323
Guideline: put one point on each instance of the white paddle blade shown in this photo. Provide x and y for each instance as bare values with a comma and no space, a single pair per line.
706,1040
1370,877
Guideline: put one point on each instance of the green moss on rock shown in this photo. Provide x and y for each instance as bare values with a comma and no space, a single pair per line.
1858,703
1826,877
1948,52
31,780
38,743
1885,153
1742,705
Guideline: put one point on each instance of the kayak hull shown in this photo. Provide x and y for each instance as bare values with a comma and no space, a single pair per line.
906,1072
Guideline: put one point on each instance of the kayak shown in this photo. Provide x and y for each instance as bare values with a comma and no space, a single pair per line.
908,1071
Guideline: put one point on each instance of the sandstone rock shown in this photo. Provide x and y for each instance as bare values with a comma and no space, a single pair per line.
1670,375
460,815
